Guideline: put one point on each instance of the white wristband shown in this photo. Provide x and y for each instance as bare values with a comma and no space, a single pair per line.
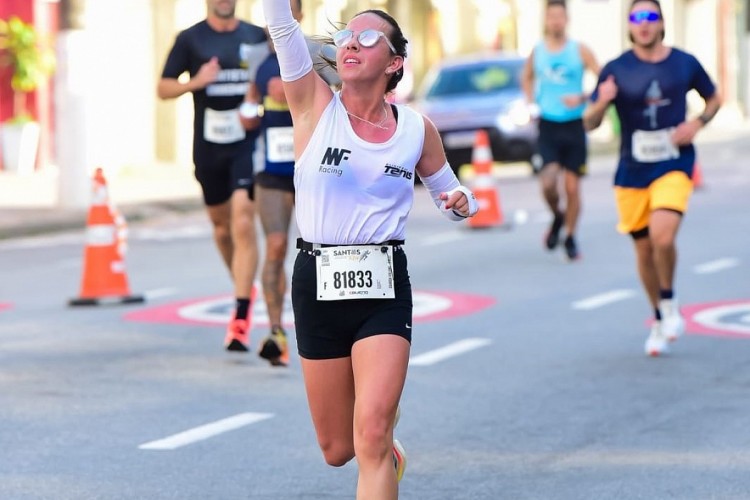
473,203
249,110
445,181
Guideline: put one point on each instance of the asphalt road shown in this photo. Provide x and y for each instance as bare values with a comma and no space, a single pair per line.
527,380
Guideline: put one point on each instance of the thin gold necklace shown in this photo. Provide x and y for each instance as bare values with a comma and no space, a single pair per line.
378,125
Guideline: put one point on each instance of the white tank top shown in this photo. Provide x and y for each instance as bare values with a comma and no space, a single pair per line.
350,191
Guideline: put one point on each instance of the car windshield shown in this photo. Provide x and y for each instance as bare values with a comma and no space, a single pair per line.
482,78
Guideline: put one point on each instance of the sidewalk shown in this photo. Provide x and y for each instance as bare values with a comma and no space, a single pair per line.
28,204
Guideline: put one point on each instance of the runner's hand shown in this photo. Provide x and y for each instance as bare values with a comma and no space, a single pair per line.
573,100
457,202
608,89
685,132
208,72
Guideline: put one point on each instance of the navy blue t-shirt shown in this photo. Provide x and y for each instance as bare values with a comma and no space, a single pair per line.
195,46
652,97
276,123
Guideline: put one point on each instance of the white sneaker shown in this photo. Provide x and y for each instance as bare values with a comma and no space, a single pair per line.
672,323
399,459
656,343
399,455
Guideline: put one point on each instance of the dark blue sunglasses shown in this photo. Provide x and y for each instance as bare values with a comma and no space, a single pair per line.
639,16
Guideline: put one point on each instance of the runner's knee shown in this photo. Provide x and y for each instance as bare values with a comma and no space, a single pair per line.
276,246
372,437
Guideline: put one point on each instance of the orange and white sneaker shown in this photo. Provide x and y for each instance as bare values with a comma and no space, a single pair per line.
399,459
275,348
656,343
672,322
238,335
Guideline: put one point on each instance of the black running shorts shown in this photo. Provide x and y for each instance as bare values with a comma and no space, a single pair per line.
563,143
275,181
223,168
329,329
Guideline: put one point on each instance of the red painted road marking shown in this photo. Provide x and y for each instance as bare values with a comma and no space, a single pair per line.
428,306
725,319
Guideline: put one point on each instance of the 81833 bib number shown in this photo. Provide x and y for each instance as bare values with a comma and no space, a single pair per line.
355,272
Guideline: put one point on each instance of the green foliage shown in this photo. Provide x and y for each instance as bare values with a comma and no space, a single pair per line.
30,60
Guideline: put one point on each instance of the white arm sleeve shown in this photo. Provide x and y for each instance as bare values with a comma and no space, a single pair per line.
291,47
445,181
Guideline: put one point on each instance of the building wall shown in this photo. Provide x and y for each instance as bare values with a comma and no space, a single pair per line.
435,28
130,126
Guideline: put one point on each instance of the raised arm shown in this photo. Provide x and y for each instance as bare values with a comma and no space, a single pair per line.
306,92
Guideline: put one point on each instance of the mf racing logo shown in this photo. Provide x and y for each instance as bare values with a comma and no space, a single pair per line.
332,159
334,156
396,171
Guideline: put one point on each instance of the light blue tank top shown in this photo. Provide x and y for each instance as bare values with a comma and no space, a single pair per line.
558,74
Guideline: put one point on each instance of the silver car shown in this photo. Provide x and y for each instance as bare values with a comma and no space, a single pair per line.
481,91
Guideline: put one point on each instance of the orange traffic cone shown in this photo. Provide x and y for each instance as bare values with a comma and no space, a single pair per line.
103,265
489,213
697,175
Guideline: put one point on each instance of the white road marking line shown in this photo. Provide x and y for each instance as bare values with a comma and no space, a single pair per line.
441,238
715,266
602,299
449,351
205,431
159,292
32,242
169,234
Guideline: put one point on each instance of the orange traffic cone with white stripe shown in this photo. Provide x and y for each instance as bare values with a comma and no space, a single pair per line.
489,214
104,277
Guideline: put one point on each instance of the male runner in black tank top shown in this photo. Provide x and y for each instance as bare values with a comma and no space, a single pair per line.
217,55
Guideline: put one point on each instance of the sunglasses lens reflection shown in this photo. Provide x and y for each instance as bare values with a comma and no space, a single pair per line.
368,38
644,15
342,38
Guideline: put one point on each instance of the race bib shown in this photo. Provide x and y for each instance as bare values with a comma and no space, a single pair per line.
280,144
355,272
222,127
654,146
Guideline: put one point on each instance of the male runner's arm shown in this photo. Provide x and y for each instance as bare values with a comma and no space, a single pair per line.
594,113
250,108
170,88
589,63
687,130
527,79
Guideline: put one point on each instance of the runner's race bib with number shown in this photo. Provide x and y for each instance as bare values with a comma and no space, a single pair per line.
280,144
355,272
654,146
222,127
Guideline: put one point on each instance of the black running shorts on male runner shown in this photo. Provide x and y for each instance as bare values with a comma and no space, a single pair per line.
223,168
563,143
329,329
